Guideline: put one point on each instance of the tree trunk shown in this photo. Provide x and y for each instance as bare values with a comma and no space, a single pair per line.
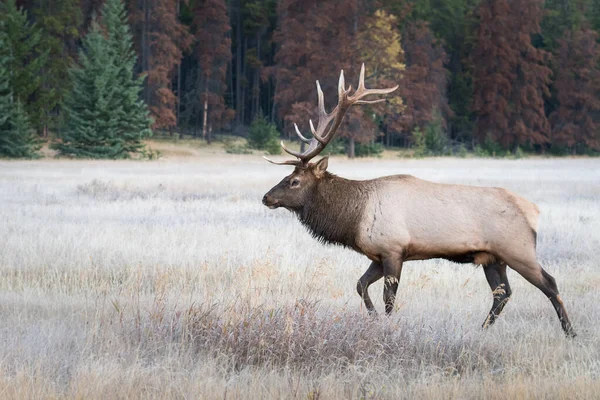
351,148
256,92
209,136
178,77
205,117
245,88
273,103
238,66
388,137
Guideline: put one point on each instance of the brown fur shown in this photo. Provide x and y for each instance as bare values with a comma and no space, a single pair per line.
401,218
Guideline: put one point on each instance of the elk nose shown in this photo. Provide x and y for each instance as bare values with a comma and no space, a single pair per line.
264,200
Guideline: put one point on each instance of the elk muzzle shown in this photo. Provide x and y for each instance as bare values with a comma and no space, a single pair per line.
270,202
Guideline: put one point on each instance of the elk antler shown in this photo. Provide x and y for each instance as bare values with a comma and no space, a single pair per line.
322,136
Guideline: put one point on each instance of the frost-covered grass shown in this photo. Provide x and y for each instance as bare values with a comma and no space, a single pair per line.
169,279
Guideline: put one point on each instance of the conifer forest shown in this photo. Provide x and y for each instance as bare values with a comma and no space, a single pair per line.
487,75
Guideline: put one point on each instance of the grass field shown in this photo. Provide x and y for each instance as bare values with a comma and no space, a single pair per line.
169,279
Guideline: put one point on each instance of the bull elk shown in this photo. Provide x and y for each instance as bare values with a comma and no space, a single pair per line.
402,218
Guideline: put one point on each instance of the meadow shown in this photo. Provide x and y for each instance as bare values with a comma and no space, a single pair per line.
170,279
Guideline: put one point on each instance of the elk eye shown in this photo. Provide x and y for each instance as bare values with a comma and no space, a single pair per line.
295,182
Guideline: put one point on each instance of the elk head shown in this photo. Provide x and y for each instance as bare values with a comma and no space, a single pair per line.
294,190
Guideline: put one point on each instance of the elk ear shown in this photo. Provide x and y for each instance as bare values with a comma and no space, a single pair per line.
321,167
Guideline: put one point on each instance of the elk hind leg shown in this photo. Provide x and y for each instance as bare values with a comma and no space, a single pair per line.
373,274
495,274
535,274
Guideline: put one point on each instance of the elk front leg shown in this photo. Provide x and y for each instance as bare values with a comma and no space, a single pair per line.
373,274
392,268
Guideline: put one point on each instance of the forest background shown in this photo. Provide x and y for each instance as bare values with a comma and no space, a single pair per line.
490,76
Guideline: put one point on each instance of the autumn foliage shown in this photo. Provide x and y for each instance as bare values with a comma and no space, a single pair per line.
576,121
511,76
213,50
423,87
162,39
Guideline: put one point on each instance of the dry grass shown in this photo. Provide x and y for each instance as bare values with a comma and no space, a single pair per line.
169,279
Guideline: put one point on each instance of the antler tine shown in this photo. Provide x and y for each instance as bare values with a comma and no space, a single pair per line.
315,134
290,152
377,91
362,91
361,79
287,162
321,100
324,117
300,135
341,87
370,101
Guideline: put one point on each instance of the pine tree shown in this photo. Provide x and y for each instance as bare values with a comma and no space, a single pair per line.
92,122
23,43
134,122
59,22
106,119
5,92
16,137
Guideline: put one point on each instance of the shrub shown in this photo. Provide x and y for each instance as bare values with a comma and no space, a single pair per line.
368,149
479,151
232,147
462,151
264,136
432,141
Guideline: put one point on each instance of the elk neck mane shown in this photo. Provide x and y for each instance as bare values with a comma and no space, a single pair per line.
334,211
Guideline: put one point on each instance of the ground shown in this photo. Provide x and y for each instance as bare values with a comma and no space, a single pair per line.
170,279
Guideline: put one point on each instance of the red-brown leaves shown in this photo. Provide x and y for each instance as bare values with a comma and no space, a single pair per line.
161,39
511,76
576,122
213,50
423,87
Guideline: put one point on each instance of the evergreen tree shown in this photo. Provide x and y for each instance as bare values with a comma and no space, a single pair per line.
23,44
59,22
5,92
92,122
106,119
134,121
16,137
561,16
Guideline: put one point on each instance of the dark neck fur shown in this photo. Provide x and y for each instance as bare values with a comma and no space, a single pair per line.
334,212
